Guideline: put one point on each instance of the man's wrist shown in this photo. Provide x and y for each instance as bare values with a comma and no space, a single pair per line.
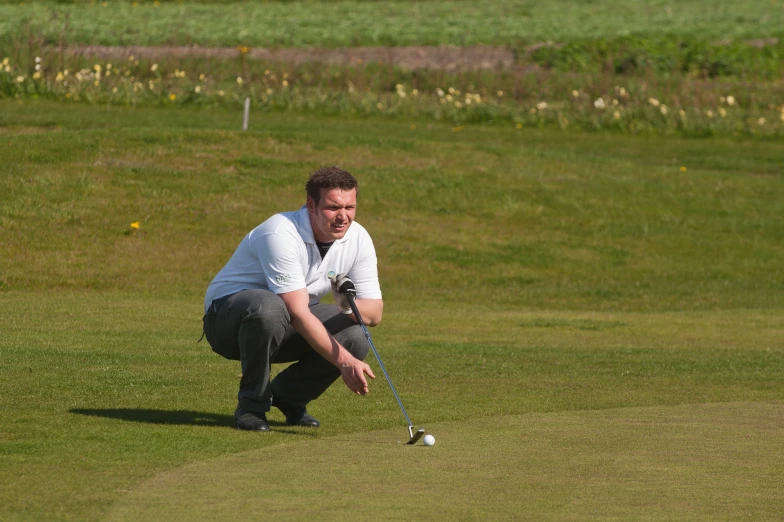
345,360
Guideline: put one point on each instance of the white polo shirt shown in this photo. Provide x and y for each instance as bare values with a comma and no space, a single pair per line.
281,255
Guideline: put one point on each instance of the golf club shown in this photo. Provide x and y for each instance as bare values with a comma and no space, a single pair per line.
347,289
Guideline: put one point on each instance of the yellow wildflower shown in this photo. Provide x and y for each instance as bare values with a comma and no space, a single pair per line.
136,225
684,169
172,96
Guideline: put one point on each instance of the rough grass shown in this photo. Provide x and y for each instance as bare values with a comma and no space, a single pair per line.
571,292
354,23
535,218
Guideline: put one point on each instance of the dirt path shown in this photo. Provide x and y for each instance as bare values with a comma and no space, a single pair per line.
446,58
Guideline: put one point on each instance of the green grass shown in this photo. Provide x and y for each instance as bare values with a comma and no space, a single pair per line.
588,330
614,464
362,23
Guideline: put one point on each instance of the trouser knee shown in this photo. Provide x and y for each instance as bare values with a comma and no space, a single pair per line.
354,340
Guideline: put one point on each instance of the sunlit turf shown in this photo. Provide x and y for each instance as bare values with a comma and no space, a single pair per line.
636,463
390,22
588,287
499,215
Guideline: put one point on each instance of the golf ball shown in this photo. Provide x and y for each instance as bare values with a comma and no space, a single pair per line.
429,440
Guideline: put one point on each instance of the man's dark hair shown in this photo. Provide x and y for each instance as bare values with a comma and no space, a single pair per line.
329,178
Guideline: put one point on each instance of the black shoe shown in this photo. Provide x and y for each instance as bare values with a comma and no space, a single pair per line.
251,421
296,415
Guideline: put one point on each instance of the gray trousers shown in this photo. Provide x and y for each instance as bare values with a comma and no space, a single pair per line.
254,327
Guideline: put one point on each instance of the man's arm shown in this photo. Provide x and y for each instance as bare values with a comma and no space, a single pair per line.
370,310
352,370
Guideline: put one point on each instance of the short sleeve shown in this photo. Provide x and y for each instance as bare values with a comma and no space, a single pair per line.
364,273
280,258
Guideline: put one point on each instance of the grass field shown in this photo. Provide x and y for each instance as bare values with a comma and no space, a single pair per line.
590,324
387,22
690,68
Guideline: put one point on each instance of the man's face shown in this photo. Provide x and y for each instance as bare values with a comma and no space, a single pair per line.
333,214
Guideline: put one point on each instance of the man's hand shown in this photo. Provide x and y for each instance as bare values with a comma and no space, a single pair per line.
340,299
353,374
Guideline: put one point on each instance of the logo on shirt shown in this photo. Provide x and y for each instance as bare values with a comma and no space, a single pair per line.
283,278
331,275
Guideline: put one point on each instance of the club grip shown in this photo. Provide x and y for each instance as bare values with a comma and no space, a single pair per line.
347,287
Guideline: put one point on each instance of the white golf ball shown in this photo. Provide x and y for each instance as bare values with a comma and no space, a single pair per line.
429,440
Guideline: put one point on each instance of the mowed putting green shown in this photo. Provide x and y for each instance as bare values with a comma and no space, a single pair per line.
714,461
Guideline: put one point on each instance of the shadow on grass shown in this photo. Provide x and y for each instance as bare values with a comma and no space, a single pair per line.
176,417
183,417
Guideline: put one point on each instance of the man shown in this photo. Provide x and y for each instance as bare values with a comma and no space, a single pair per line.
263,306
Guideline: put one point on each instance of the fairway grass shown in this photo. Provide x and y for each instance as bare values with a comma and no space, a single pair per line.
102,393
693,462
589,324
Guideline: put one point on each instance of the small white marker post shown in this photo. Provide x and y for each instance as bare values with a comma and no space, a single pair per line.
247,114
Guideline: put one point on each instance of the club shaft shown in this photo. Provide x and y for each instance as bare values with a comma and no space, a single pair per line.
354,309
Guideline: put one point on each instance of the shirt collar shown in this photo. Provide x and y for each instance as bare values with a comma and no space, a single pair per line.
303,224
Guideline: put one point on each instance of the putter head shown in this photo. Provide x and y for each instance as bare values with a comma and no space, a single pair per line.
415,435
